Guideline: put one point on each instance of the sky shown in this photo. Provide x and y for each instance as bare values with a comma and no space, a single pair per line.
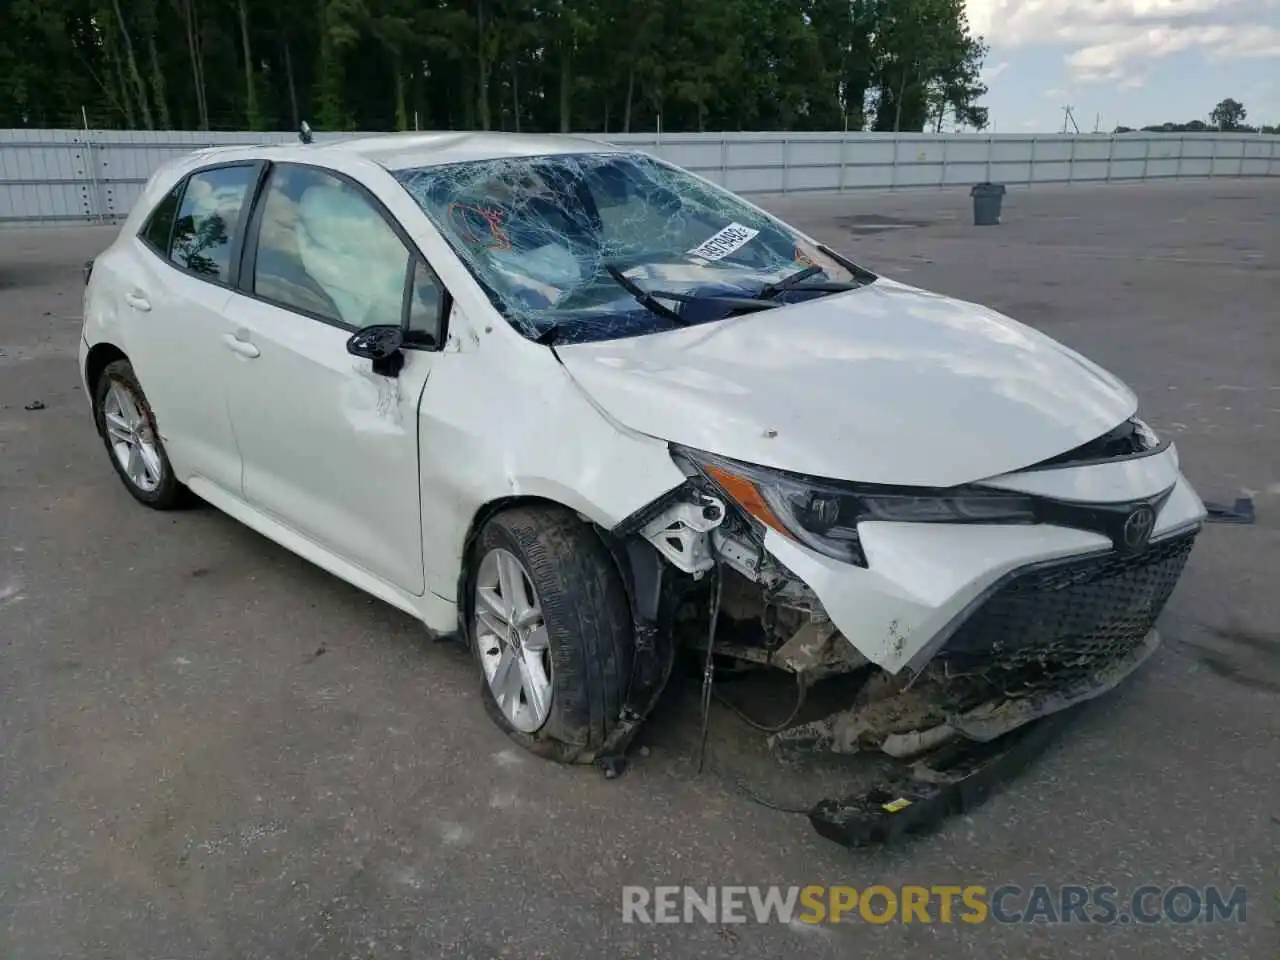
1134,62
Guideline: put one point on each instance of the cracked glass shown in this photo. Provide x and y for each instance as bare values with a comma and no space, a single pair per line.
541,234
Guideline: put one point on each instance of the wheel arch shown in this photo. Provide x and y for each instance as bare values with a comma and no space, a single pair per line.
99,356
490,509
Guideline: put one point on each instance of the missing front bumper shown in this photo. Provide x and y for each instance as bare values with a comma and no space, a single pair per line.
957,770
995,719
880,724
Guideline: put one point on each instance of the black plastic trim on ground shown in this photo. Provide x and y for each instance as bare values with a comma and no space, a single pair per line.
969,774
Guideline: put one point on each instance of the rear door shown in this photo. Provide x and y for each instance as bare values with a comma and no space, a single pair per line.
330,447
172,290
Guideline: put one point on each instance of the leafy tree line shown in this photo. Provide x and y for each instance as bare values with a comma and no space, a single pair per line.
1227,117
531,65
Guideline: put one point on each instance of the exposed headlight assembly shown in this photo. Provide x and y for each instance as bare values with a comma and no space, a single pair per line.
1147,438
824,515
1129,439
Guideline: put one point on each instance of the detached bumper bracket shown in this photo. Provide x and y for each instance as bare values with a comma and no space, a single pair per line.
953,779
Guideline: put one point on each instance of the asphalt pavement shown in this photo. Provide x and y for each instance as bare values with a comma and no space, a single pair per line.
209,748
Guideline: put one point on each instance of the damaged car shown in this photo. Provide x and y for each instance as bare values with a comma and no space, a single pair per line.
586,410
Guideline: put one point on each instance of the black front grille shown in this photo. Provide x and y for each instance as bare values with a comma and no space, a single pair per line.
1055,623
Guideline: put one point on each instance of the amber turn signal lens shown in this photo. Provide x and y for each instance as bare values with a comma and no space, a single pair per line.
747,496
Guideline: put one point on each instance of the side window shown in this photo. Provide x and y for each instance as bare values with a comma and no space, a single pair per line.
426,297
207,219
324,249
159,228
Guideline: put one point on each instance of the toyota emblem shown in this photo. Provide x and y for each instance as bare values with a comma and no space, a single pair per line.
1138,526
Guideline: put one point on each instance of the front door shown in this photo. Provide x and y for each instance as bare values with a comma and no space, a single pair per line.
330,448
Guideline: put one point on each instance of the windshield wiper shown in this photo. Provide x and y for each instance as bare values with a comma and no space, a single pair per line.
787,282
643,297
735,303
650,298
796,281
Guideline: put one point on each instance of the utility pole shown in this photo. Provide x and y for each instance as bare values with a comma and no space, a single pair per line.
1069,118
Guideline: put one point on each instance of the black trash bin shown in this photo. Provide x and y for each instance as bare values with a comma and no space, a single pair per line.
987,200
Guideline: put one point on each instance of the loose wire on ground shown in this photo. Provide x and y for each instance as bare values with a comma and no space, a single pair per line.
708,669
801,691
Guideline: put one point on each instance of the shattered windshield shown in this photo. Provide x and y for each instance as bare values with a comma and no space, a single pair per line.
563,244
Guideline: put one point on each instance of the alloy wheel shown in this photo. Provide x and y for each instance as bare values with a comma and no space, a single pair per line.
511,634
132,440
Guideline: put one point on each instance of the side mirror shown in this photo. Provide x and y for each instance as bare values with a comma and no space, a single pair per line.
381,344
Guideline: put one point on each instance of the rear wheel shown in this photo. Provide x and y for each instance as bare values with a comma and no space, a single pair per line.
128,428
551,628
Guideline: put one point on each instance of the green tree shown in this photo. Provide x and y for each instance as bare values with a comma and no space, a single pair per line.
530,65
923,46
1229,114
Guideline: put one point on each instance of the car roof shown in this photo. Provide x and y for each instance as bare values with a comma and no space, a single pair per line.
402,151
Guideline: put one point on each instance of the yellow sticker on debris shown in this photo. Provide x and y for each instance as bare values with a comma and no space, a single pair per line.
893,806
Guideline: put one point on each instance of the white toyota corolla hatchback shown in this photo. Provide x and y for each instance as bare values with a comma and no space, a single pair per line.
582,408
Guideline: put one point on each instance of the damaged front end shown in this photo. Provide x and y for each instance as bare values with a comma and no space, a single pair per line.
952,707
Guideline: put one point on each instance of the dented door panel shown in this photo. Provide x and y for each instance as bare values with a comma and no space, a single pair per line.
330,448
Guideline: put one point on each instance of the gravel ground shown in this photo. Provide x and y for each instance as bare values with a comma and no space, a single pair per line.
209,748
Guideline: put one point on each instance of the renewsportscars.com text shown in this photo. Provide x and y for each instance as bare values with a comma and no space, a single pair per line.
971,904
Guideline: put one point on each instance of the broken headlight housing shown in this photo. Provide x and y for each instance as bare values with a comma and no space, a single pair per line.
824,514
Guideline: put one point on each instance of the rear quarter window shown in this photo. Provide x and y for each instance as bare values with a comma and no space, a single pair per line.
208,216
158,230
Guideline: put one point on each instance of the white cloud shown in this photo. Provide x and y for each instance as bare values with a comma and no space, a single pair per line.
1257,42
1111,60
1114,40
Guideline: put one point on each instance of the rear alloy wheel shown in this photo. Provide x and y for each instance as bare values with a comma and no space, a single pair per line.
551,628
128,429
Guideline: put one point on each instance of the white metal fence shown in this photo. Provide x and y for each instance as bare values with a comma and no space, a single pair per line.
87,176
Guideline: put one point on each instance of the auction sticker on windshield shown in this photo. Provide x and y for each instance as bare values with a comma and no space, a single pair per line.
719,246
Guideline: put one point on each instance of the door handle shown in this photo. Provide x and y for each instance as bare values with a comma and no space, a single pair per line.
242,347
137,301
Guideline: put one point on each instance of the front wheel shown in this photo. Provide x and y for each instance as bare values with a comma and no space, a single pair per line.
551,628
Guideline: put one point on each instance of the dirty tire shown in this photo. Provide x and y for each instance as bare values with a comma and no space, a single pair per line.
588,621
169,494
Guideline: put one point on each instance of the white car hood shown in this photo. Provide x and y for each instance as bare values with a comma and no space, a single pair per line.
884,384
